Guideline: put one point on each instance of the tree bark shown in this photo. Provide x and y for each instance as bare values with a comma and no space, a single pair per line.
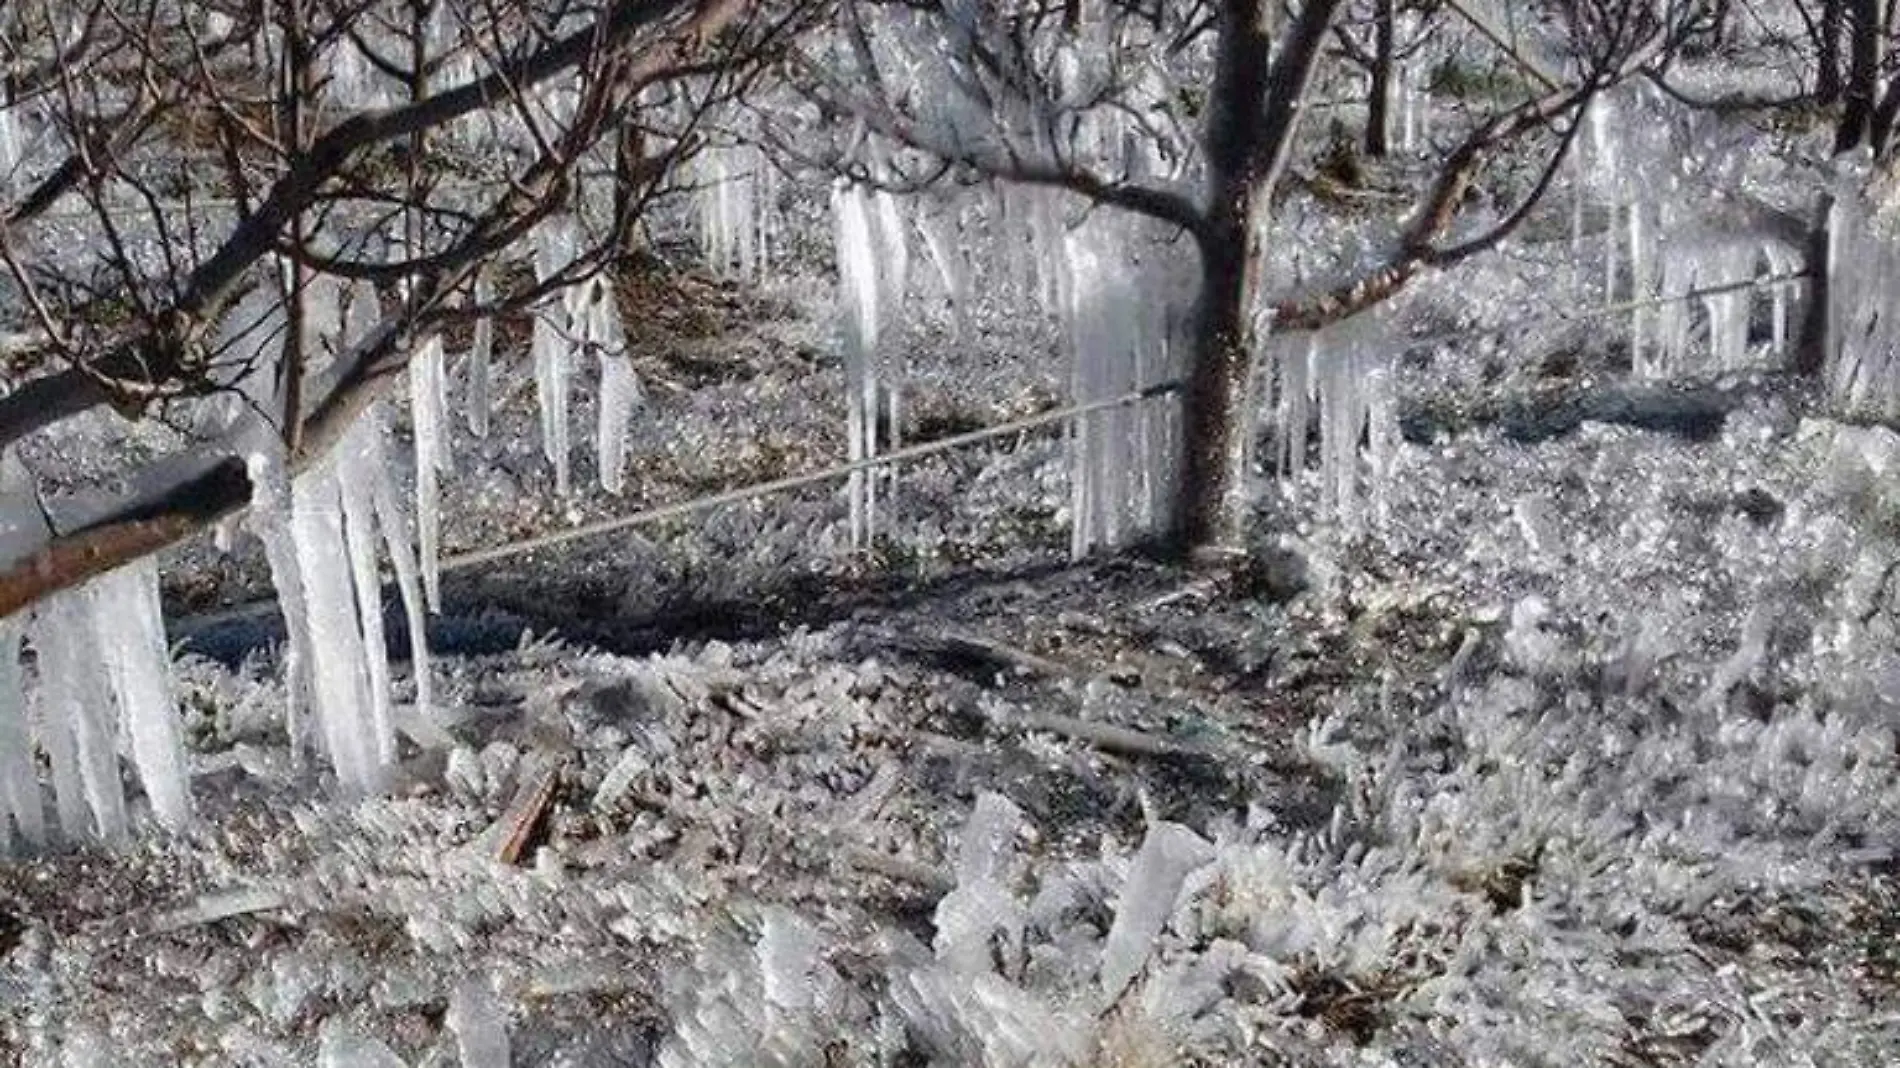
1379,104
1863,75
1827,85
630,171
1253,111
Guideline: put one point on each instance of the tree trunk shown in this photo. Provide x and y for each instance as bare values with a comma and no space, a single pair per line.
1863,74
1219,419
1827,85
1253,111
630,163
1812,341
1379,106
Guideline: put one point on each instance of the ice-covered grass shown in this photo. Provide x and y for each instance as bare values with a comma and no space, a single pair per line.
1470,802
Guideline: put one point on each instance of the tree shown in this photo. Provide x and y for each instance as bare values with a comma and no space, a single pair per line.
215,147
1236,72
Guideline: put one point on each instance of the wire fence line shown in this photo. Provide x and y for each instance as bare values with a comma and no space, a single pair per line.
1038,420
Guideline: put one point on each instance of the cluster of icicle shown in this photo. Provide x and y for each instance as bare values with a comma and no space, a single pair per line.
572,321
321,539
1121,329
100,684
1114,296
322,533
1693,290
1863,331
1340,377
350,75
1006,980
1094,282
739,226
873,253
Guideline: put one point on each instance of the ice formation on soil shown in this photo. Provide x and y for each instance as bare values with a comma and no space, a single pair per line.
1863,336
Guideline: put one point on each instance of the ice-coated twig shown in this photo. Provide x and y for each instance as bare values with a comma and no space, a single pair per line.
533,797
1107,737
213,907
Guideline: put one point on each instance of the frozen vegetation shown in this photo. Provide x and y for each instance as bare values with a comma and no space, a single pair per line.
1547,719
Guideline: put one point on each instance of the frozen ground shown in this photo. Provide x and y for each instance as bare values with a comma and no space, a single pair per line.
1584,754
1580,752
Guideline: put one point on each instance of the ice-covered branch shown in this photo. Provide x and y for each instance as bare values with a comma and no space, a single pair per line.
158,356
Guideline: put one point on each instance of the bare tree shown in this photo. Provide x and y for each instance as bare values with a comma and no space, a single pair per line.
211,147
1241,71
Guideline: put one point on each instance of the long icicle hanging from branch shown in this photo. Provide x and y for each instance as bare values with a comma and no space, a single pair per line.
620,394
1341,376
873,271
1118,316
553,344
428,408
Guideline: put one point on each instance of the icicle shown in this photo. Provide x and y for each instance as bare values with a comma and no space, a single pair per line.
359,533
1383,439
893,254
480,352
553,347
429,419
75,725
858,300
1296,360
19,778
857,270
345,721
1604,174
10,153
371,466
1639,290
620,394
551,363
939,233
270,522
130,629
1779,263
1863,269
1728,329
1408,110
1680,273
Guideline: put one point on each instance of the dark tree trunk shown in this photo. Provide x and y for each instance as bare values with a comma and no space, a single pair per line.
630,166
1812,341
1863,75
1252,113
1379,106
1827,85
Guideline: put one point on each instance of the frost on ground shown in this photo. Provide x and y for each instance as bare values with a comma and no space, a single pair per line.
1584,755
